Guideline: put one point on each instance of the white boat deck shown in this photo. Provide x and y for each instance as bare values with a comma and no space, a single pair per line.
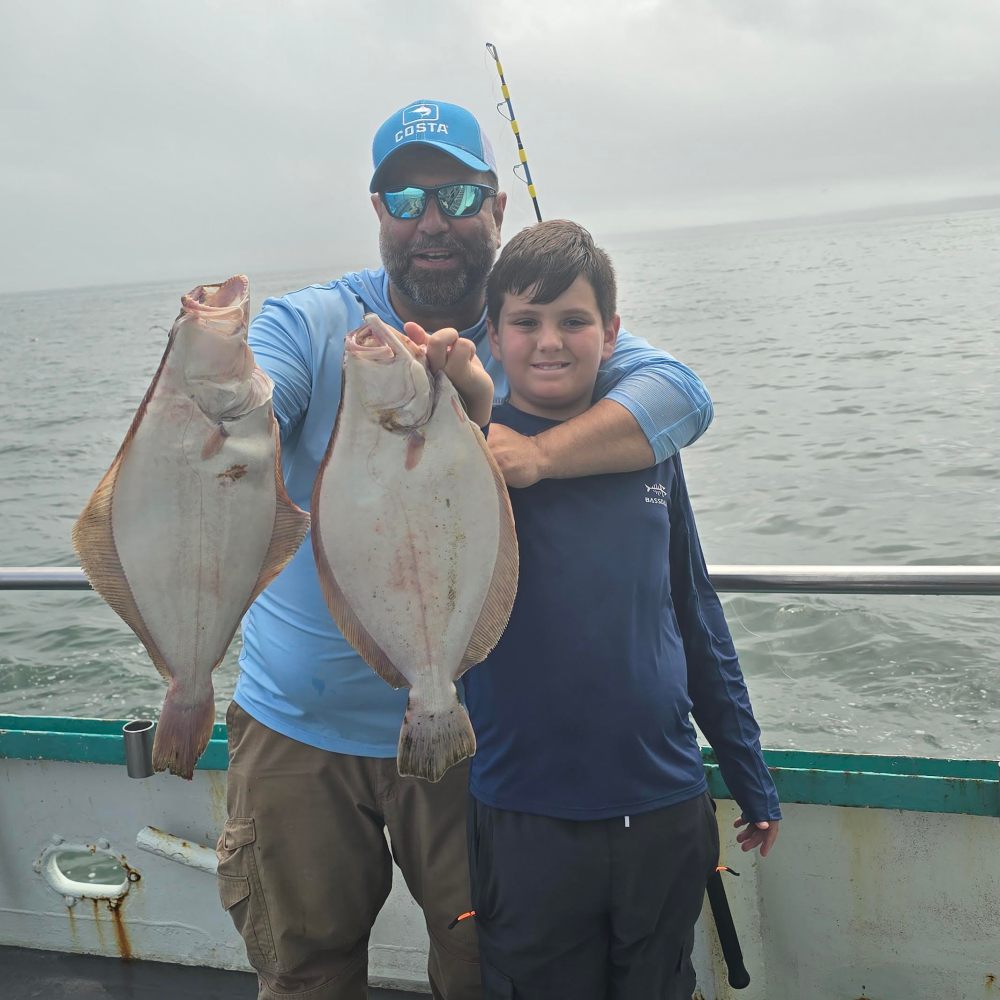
32,975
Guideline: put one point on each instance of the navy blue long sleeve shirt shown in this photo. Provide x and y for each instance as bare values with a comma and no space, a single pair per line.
617,637
299,676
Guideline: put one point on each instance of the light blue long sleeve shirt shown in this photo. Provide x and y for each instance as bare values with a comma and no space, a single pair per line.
299,676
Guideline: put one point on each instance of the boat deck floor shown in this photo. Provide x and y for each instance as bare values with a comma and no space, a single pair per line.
26,974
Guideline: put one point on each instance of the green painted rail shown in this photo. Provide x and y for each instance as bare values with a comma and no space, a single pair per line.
914,784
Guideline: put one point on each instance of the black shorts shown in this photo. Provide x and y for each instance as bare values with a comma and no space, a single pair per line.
590,910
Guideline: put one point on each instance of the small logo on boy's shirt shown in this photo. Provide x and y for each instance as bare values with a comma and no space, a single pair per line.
658,491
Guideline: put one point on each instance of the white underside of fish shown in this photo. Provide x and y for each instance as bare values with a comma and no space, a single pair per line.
190,523
417,556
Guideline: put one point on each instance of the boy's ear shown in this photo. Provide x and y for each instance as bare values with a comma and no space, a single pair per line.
611,329
491,332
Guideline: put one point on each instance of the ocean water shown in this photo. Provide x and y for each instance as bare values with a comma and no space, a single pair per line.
855,368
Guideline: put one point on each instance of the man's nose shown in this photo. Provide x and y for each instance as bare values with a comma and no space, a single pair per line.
433,221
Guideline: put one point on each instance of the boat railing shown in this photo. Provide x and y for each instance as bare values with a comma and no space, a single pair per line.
760,579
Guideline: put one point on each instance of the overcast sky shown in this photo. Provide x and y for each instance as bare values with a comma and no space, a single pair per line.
144,140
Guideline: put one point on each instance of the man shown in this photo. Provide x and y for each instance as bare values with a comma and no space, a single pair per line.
304,867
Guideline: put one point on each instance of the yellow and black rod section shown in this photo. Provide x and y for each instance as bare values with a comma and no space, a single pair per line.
509,115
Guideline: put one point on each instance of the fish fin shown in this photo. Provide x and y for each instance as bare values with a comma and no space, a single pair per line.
183,730
414,449
503,587
291,525
340,609
214,441
431,742
93,539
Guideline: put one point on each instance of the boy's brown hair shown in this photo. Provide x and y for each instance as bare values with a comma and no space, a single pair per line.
546,259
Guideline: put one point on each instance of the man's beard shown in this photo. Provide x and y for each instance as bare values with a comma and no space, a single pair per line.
429,288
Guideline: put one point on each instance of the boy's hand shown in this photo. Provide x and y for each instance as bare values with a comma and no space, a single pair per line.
762,835
519,456
456,357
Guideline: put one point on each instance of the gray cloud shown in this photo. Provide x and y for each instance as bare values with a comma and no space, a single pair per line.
149,140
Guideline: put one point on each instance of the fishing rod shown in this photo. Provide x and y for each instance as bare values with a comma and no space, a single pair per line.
515,128
729,940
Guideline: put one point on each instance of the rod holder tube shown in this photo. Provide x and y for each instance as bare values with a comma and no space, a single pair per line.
138,737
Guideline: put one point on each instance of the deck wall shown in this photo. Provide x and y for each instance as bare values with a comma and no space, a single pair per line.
857,901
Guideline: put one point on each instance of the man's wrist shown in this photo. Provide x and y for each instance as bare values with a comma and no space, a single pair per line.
482,401
544,458
479,409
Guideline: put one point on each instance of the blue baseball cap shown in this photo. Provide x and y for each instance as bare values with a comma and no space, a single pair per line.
447,127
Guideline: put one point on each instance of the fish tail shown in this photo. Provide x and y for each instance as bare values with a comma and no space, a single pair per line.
183,731
432,740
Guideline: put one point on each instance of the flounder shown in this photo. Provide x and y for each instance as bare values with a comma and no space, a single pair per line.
414,539
192,520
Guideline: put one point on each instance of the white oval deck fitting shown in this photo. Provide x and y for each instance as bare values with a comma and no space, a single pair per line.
82,871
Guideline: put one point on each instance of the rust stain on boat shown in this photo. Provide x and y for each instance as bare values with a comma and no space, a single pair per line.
121,934
114,907
132,874
98,926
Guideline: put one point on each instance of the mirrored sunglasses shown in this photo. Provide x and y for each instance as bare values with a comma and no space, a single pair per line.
457,201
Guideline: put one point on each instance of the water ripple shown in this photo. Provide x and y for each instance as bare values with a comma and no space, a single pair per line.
854,370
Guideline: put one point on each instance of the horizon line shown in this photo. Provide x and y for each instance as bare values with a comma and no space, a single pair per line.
889,209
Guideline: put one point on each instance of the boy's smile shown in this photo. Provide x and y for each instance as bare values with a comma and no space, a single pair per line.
551,351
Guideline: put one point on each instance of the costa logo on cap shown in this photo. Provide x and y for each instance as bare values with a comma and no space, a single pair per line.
420,113
447,127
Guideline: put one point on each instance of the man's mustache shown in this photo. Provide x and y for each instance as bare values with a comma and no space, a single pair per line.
450,245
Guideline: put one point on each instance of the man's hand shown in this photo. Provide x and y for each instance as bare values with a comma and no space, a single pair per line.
762,835
456,356
521,459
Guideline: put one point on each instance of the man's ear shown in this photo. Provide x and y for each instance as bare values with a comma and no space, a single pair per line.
378,206
499,206
491,332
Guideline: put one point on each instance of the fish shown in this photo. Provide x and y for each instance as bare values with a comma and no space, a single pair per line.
192,520
413,537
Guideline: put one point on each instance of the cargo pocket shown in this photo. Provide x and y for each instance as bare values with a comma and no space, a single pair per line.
241,893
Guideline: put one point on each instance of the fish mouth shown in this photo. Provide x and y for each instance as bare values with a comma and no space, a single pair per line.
377,342
205,298
221,310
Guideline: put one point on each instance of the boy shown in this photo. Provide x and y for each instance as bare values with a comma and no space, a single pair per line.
591,832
